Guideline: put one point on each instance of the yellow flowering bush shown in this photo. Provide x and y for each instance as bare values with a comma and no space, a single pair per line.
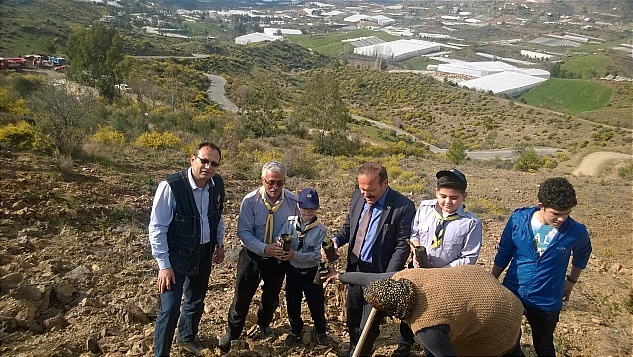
107,135
155,140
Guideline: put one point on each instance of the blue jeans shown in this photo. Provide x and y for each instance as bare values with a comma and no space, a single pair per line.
543,324
195,289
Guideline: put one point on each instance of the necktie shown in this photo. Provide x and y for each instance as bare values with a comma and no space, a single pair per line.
301,234
268,233
441,225
360,234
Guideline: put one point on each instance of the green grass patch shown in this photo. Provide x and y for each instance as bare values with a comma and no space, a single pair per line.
571,95
419,63
588,66
40,26
330,44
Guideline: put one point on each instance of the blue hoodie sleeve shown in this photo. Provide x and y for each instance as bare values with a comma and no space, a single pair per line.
506,244
582,251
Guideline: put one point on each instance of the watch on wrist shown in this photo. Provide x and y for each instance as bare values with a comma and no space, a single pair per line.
571,280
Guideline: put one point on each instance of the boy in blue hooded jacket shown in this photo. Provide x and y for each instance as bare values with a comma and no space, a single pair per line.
538,243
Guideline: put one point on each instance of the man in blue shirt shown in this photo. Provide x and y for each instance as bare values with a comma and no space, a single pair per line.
186,232
538,242
376,228
263,213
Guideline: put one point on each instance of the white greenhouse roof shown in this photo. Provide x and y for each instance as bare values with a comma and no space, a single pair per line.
273,31
503,82
397,48
255,37
356,18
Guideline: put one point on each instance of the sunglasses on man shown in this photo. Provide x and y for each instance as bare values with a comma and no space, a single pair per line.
206,162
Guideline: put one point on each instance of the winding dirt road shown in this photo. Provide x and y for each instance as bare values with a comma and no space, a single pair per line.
594,162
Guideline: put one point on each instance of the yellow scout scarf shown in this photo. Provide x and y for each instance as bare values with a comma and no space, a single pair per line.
268,234
301,234
439,230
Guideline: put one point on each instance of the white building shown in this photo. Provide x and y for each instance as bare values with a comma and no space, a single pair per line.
539,55
256,37
398,50
381,20
476,69
276,31
510,83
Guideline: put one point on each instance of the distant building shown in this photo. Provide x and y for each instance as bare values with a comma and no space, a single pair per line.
509,83
256,37
398,50
107,19
538,55
277,31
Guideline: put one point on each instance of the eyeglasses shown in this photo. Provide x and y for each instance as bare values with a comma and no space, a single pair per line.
274,182
207,162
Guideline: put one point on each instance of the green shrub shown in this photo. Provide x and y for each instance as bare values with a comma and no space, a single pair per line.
301,164
107,135
155,140
527,160
626,172
481,206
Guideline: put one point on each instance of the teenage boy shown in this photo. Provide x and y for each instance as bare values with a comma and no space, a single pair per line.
538,243
304,257
451,235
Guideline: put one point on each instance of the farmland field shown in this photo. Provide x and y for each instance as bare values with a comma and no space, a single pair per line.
330,44
570,95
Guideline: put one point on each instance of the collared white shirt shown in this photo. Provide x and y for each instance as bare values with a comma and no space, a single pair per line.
163,212
462,237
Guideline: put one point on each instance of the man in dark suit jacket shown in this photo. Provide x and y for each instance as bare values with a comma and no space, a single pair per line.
376,228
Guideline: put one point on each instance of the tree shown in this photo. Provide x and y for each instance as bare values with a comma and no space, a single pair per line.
323,110
260,108
65,118
94,54
456,153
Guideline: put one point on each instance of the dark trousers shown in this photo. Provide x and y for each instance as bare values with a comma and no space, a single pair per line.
251,269
543,324
195,289
357,313
299,283
406,335
437,344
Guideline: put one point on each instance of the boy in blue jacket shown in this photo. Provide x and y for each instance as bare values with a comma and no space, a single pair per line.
538,242
303,257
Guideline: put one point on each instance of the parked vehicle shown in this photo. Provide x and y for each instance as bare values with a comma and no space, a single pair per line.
12,63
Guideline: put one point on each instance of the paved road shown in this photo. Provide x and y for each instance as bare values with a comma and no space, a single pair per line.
475,155
216,92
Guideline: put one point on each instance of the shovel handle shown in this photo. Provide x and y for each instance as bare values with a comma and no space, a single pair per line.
363,335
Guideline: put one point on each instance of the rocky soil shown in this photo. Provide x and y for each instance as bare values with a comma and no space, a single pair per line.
77,277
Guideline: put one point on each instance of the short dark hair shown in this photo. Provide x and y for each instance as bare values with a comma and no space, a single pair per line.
452,182
557,193
373,168
208,144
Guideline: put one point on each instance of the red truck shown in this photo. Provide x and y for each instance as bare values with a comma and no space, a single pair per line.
12,63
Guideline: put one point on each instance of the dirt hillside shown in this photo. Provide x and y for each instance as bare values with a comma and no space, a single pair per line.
77,277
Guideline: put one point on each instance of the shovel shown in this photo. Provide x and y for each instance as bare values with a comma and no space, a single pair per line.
363,335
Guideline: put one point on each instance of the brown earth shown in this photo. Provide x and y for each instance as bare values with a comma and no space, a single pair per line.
77,276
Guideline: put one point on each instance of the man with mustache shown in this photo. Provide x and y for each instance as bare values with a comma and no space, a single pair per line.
186,234
376,228
263,214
